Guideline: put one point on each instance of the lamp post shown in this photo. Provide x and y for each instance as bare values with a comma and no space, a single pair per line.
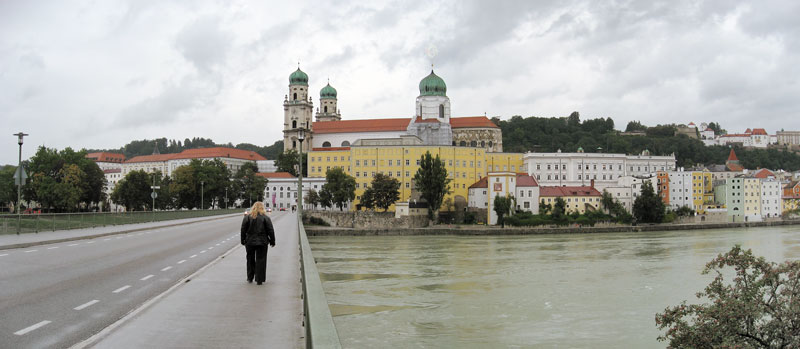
154,195
20,179
201,193
301,135
226,198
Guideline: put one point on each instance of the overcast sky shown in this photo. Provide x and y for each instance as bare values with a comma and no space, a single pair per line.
98,74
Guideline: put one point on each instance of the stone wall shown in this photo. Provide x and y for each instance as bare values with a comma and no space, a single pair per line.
368,219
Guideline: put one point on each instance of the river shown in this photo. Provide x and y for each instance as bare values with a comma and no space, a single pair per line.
566,290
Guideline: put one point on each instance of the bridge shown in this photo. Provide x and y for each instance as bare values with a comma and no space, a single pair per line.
177,283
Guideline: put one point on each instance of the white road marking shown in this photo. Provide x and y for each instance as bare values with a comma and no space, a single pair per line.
52,248
211,247
4,254
167,268
72,245
86,305
181,261
216,245
192,256
146,277
29,251
123,288
90,242
31,328
203,251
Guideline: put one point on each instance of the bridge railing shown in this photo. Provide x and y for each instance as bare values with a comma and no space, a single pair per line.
36,222
320,329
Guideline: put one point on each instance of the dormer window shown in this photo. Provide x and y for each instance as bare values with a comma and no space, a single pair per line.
441,111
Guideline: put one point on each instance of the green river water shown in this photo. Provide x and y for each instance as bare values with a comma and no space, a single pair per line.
551,291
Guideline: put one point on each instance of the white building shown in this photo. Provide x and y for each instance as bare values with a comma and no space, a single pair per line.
771,202
681,189
627,190
107,161
167,163
757,138
579,169
281,190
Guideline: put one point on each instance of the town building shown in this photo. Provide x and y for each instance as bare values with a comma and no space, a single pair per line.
771,201
757,138
752,199
580,168
788,137
281,190
731,194
577,198
522,186
106,160
628,189
167,163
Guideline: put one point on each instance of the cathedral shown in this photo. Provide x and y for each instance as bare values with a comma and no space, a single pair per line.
431,124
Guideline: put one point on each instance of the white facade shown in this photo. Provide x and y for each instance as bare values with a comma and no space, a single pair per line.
770,198
266,166
346,139
149,167
527,198
282,192
627,190
578,169
680,189
478,198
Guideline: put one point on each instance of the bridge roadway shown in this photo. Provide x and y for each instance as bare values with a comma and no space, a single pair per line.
159,286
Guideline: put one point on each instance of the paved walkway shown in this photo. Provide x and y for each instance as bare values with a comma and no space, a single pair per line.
217,308
8,241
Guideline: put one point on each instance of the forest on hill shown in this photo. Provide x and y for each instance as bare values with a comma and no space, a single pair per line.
538,134
146,147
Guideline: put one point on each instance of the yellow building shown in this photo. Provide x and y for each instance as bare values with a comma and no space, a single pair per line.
790,203
366,158
752,197
580,198
702,190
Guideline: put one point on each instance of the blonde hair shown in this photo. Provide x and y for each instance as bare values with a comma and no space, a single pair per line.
258,209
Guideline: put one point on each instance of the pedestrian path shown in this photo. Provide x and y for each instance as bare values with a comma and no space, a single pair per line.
8,241
217,308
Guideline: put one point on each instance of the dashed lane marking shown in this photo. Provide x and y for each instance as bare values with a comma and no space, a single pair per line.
86,305
146,277
181,261
72,245
123,288
4,254
203,251
167,268
29,251
52,248
192,256
90,242
31,328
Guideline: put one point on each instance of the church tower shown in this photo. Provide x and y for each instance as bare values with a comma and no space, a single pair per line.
297,109
432,121
327,110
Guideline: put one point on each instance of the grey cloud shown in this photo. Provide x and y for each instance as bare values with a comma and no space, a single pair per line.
171,105
204,44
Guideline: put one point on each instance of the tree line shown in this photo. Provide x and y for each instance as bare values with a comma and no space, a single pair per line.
537,134
171,146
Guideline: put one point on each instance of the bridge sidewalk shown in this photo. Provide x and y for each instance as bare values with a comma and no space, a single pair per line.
218,308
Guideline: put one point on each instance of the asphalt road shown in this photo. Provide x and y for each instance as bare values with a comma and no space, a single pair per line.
53,296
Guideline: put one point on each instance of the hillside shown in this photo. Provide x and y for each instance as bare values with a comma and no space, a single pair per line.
145,147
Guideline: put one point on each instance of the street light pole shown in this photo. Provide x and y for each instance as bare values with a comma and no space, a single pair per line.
19,135
301,135
201,194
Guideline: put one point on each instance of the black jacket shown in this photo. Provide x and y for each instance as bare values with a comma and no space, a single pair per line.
257,231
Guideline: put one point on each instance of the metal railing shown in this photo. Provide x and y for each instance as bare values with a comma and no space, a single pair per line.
320,329
34,223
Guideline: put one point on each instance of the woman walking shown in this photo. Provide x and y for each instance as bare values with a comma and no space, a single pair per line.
256,233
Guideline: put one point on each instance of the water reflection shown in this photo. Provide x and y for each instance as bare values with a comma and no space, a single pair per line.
596,290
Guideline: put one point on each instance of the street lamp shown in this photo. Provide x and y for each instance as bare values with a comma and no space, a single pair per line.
201,193
301,135
20,179
153,195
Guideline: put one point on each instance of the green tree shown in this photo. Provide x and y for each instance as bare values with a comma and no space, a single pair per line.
325,198
368,199
133,191
312,198
758,308
8,190
635,126
64,180
287,162
502,206
185,187
545,208
383,192
248,184
648,207
339,187
559,212
432,182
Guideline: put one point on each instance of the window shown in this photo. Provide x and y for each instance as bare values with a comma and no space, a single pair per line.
345,143
406,162
326,144
294,123
358,163
538,167
295,96
373,162
548,166
417,162
463,143
441,110
407,185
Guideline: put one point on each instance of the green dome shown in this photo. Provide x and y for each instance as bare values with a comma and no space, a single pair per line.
432,85
327,92
298,78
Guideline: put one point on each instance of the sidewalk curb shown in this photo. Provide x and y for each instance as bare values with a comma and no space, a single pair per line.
95,339
86,237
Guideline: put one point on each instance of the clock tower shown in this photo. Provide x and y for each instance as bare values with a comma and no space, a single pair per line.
297,112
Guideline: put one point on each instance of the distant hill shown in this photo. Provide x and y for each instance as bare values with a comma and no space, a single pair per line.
146,147
537,134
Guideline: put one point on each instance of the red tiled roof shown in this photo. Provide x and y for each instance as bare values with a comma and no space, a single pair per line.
472,122
760,132
731,135
275,175
420,119
200,153
482,183
113,170
106,157
525,180
219,152
764,173
732,156
735,167
394,124
371,125
569,191
748,131
691,123
330,148
151,158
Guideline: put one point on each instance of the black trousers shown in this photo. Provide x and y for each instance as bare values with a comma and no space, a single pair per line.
256,263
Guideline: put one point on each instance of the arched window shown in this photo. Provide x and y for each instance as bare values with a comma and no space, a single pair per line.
294,144
483,144
454,143
463,143
441,110
473,143
490,144
345,144
294,123
326,144
326,109
295,96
